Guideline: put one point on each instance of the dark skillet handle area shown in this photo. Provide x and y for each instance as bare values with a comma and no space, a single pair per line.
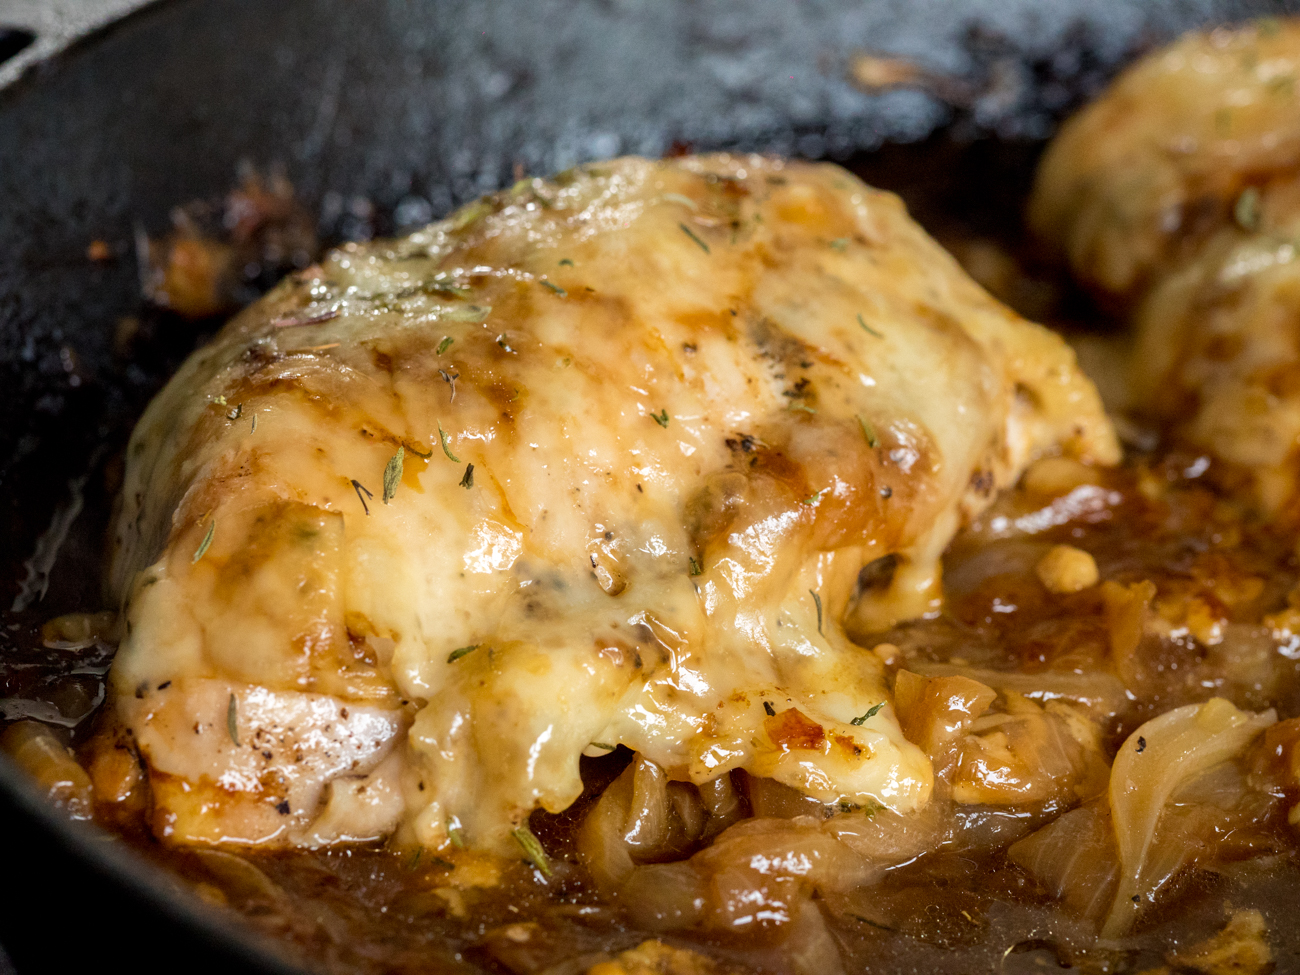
383,115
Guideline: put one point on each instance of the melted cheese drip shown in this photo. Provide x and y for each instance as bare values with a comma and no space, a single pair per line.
698,397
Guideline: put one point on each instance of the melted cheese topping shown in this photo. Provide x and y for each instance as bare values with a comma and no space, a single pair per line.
592,462
1164,154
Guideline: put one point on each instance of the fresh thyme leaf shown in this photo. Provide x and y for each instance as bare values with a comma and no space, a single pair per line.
691,234
461,651
253,429
1246,210
533,849
565,262
803,407
864,718
415,860
817,601
696,567
601,744
450,379
468,480
445,344
207,540
771,711
360,488
554,287
814,500
660,418
454,832
393,474
842,244
442,435
232,720
685,201
869,432
867,328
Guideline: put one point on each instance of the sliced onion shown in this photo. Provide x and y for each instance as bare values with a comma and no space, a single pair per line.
1101,693
1156,759
1075,858
53,769
935,712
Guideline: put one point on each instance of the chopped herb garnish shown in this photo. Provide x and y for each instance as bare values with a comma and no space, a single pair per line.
461,651
817,601
442,435
555,287
501,341
445,344
253,428
869,432
842,244
219,400
1246,210
415,860
446,286
871,713
565,262
771,711
660,418
454,832
362,493
696,566
236,413
450,379
232,720
691,234
867,328
601,744
468,480
803,407
393,474
814,500
685,201
533,850
207,540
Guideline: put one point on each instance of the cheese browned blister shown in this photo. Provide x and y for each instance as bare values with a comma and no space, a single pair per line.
593,462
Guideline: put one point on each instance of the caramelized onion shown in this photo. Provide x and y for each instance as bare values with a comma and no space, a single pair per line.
1075,858
1156,759
36,750
935,712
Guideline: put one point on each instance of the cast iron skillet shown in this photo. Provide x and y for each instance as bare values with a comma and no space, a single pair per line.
413,107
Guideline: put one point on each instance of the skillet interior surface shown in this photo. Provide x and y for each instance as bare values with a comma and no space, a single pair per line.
376,105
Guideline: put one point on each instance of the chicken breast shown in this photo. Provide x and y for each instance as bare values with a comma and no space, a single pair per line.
1137,179
1177,196
593,462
